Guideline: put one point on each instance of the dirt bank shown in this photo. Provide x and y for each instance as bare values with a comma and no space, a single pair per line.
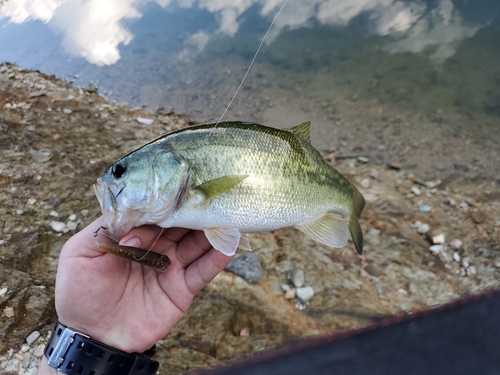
55,140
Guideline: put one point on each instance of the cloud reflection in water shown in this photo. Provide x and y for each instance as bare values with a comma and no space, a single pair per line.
94,29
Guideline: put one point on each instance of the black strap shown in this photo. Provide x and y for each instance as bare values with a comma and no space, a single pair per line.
85,356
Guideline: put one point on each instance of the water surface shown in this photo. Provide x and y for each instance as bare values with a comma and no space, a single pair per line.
413,82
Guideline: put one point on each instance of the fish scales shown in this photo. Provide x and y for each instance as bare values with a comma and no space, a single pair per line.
269,198
229,178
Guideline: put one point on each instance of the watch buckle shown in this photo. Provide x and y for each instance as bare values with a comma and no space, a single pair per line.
66,339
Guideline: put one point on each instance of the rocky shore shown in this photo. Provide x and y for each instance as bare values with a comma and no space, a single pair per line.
427,242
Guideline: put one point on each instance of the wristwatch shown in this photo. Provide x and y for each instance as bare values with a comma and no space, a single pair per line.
74,353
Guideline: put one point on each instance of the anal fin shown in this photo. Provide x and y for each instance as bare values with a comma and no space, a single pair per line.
330,229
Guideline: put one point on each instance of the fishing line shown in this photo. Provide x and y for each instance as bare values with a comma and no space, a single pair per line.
153,245
244,77
251,64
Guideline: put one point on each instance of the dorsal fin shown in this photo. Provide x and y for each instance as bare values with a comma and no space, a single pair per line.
302,130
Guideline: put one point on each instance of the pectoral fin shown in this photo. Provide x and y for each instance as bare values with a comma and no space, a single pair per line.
226,240
220,185
330,229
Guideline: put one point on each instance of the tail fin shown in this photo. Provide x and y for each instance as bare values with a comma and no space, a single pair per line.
358,203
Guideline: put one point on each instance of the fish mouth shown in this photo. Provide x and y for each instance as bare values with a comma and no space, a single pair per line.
114,216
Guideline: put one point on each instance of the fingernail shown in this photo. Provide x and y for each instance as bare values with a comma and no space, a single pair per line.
134,242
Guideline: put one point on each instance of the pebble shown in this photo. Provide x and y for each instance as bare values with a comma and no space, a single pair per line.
296,276
456,257
3,292
144,120
72,217
305,293
9,312
299,305
71,225
424,228
285,287
19,212
291,293
32,337
436,249
39,350
374,174
395,166
363,159
478,217
67,111
471,271
455,244
424,208
36,94
247,266
415,190
41,156
14,365
58,226
31,201
245,332
53,214
439,239
85,213
365,182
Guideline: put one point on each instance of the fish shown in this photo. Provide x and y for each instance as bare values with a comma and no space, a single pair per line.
228,179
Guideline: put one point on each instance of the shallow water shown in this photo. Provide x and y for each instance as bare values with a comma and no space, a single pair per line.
412,82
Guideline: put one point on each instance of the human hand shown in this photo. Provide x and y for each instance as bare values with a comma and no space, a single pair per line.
122,303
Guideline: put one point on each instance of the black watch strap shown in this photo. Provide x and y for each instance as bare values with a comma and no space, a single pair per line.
74,353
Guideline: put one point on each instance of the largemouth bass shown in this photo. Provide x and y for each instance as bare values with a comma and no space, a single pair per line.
230,178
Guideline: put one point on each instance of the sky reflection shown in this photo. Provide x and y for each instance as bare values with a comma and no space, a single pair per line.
95,29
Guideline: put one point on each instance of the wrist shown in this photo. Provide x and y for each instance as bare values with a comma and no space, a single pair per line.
121,337
72,352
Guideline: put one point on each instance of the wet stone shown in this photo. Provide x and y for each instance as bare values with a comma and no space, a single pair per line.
246,266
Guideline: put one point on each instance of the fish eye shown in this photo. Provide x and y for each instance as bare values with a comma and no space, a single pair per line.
118,170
